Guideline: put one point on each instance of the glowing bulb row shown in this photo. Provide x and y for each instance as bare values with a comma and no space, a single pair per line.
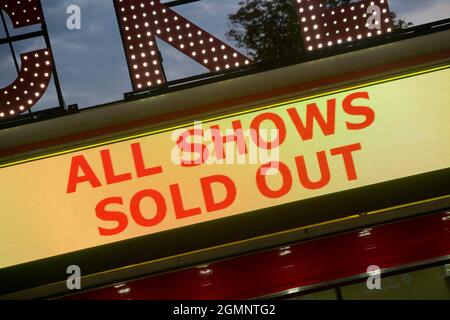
325,27
30,85
23,12
141,22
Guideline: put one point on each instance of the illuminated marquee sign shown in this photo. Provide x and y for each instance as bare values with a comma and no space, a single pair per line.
135,187
36,67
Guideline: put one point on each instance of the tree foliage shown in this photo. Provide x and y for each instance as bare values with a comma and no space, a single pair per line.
268,29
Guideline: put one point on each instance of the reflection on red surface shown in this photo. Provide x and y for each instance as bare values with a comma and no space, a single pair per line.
298,265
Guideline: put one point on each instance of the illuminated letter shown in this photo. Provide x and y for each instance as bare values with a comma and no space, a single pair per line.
107,215
141,21
327,126
262,183
366,112
136,211
347,156
210,202
180,211
78,163
36,67
305,180
322,25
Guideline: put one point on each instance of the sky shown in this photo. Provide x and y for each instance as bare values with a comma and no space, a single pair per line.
91,63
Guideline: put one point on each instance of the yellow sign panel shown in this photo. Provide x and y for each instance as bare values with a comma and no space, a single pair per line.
223,167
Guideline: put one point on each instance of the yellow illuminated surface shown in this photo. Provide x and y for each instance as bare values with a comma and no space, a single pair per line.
410,135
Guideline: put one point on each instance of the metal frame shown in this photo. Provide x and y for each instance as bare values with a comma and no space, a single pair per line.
55,73
179,2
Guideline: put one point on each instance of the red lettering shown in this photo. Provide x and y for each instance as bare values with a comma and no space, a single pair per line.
347,155
180,211
79,162
262,183
324,172
136,212
313,112
200,149
350,109
117,216
256,130
210,202
111,177
138,158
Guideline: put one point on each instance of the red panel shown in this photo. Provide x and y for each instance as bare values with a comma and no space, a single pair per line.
322,26
299,265
23,13
29,86
141,21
